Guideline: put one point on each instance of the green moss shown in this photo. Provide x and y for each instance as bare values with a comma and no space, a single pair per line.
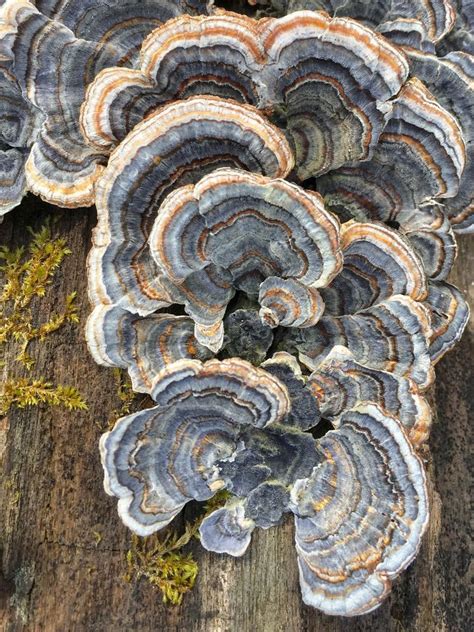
26,274
22,392
160,559
173,573
129,400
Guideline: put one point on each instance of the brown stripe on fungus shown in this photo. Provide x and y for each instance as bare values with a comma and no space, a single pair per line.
122,24
289,303
431,20
430,233
378,263
361,514
461,36
56,50
143,345
331,79
340,383
334,78
451,80
236,231
420,157
449,316
177,145
193,434
392,336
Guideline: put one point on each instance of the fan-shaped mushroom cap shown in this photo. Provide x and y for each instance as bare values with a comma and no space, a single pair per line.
430,234
340,383
123,24
390,336
420,156
378,263
331,79
176,145
432,18
239,231
115,102
449,317
61,168
232,204
215,425
182,58
265,397
142,345
361,514
168,56
451,80
144,445
19,122
334,78
227,530
289,303
407,32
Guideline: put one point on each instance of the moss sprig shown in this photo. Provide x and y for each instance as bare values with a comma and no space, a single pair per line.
26,274
22,392
160,560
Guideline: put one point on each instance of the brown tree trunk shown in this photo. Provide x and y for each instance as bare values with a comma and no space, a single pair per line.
57,577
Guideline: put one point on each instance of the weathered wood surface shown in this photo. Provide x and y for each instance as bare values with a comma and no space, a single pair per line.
56,578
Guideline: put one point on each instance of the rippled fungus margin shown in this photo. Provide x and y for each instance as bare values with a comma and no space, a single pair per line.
293,185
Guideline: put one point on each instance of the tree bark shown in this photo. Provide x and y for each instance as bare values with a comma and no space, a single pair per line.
57,577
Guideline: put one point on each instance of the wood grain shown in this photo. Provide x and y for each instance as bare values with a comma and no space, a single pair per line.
55,577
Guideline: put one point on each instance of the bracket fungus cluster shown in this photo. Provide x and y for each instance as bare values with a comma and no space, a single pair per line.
428,20
277,203
358,494
239,231
55,49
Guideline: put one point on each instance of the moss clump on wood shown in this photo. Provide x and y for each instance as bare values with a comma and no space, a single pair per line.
22,392
159,558
26,274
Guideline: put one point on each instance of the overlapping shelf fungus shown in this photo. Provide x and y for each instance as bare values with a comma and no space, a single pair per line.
331,83
277,203
291,317
358,494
